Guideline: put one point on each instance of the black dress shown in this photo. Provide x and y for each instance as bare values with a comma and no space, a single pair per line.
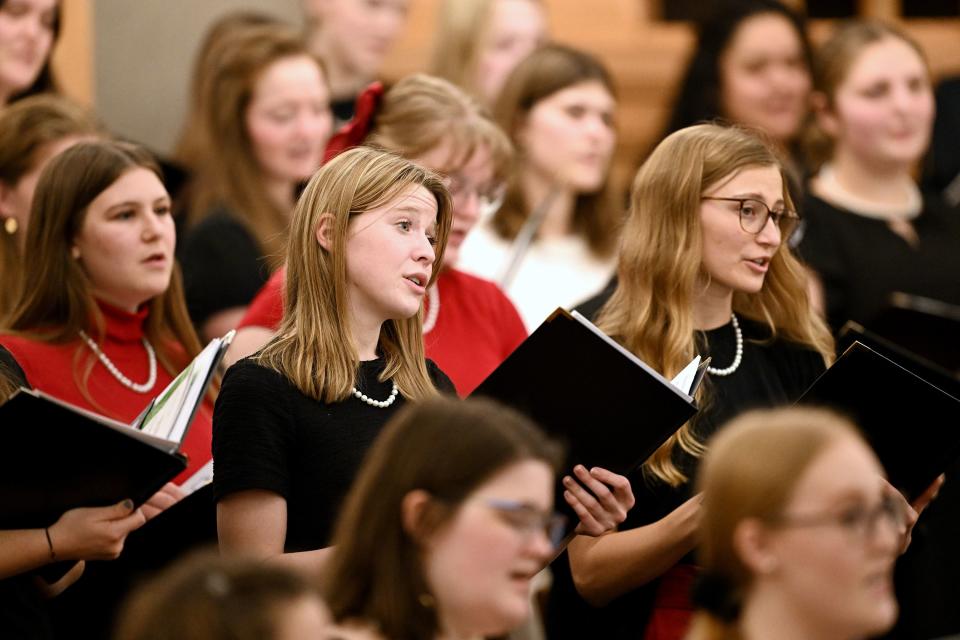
223,266
861,261
267,435
771,373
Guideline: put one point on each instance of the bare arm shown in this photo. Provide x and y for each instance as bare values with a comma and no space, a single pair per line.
254,523
221,322
608,566
247,341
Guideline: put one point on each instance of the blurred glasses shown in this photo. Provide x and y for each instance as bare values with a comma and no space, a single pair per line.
528,520
859,521
754,215
489,197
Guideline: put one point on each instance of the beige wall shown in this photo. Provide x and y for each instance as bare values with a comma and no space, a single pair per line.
142,53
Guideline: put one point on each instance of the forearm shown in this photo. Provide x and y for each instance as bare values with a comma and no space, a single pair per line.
22,550
607,567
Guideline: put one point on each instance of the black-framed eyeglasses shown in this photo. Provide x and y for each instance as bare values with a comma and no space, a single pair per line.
528,520
754,215
860,521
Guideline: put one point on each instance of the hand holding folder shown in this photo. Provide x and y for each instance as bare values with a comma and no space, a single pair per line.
67,457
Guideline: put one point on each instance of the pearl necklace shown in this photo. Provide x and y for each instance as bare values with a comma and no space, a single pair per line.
738,357
433,309
122,379
380,404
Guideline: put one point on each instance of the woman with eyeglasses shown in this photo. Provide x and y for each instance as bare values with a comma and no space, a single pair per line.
798,533
432,547
704,269
469,325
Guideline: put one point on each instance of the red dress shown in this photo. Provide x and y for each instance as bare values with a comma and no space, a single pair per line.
477,327
56,370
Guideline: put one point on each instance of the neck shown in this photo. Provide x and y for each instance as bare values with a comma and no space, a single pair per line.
344,81
767,615
881,183
713,307
538,190
366,335
280,193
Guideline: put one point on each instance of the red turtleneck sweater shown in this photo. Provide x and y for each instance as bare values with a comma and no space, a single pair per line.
56,370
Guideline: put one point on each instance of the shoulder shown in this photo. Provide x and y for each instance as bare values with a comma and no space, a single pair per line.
247,374
798,364
440,380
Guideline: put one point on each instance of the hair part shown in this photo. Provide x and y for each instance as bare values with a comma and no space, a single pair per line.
660,272
376,572
596,216
314,347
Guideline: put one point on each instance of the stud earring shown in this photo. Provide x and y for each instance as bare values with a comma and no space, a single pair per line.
10,225
75,252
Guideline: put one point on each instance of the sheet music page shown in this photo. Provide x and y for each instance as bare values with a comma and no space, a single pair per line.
684,379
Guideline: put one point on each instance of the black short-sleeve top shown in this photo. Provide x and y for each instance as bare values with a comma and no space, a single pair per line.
268,435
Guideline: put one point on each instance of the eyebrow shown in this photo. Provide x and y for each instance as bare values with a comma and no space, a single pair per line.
754,196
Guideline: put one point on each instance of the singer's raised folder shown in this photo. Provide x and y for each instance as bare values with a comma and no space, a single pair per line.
62,456
912,424
608,407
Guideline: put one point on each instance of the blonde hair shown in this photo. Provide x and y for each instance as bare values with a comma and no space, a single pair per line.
226,169
831,66
421,112
314,347
659,271
461,30
596,216
751,471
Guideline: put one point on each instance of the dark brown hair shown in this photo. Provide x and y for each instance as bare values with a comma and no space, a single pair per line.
549,69
447,448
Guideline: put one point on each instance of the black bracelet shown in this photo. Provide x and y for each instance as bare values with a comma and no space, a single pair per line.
53,554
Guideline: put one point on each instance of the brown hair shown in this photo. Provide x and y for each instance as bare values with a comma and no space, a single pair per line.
55,300
420,112
189,148
549,69
226,169
27,128
651,310
831,65
314,348
206,597
447,448
751,471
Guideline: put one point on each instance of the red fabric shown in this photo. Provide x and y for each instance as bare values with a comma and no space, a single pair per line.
51,368
266,308
477,327
353,133
672,609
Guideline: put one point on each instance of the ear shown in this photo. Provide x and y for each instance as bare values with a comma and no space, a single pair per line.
413,509
753,543
324,233
824,113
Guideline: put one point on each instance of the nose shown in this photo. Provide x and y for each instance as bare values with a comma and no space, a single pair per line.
770,234
468,206
540,546
424,251
152,226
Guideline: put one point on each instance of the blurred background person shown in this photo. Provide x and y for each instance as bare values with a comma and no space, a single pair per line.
479,42
265,120
352,37
553,241
205,596
28,33
869,231
798,533
32,132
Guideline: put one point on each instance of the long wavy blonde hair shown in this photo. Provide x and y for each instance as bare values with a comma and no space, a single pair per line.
660,273
314,347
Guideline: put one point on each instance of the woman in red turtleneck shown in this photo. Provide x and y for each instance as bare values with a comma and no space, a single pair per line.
99,322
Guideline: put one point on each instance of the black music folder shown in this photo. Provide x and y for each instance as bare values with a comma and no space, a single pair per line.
927,327
608,407
63,456
912,424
